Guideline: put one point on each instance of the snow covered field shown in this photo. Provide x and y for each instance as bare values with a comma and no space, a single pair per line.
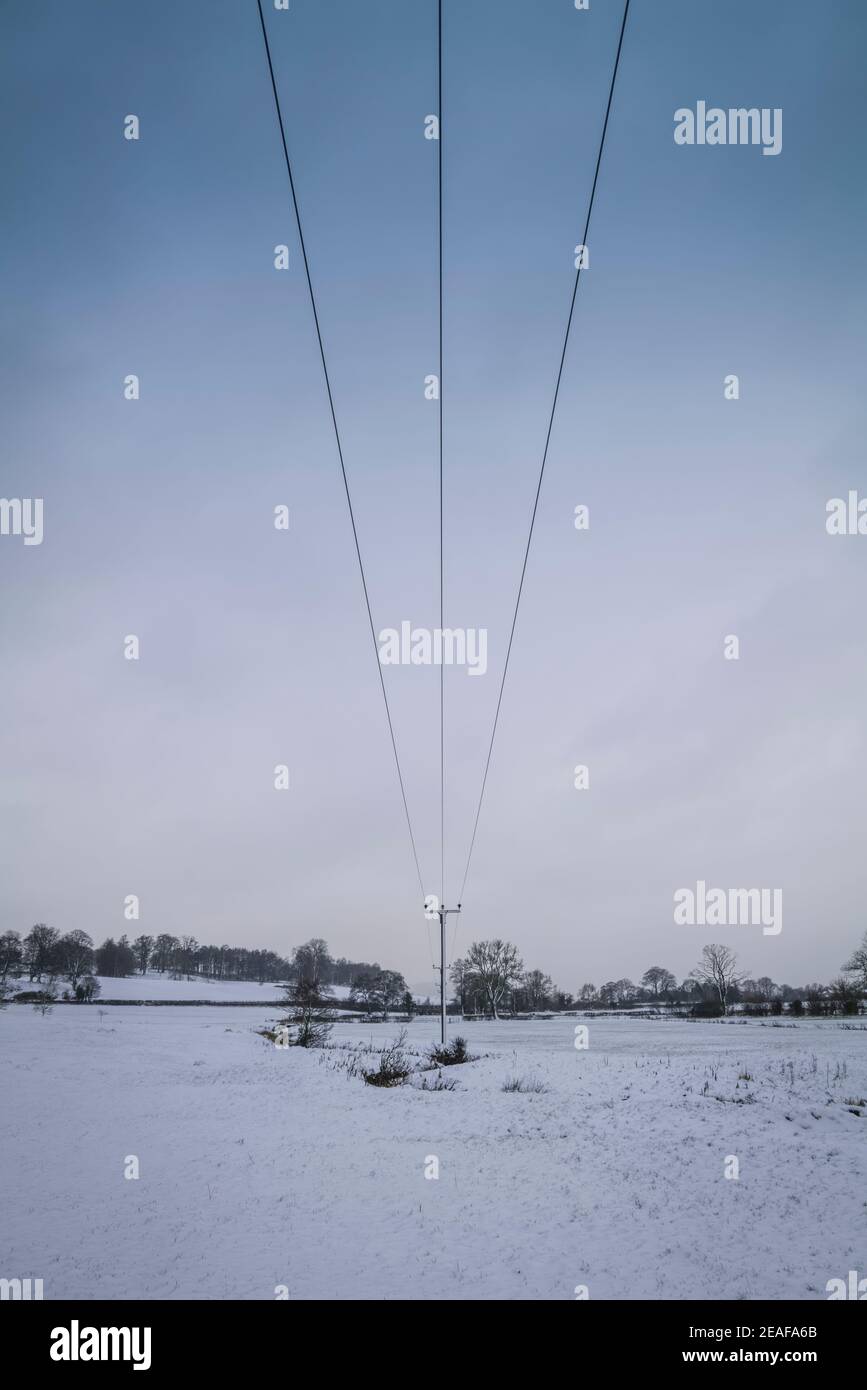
155,986
262,1167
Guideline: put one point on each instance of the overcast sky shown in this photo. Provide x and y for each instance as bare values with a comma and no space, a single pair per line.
707,516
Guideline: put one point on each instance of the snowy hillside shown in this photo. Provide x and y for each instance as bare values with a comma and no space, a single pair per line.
156,986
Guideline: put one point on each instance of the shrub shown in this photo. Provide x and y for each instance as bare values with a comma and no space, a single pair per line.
438,1083
46,1000
339,1060
706,1008
525,1084
453,1054
311,1029
304,1030
394,1065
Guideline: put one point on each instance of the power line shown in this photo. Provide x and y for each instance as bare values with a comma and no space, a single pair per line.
337,438
547,443
440,370
443,910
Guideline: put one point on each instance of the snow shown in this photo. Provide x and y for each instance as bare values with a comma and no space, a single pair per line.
160,987
155,986
263,1166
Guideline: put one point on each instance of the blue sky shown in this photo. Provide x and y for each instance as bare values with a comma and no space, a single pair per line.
707,516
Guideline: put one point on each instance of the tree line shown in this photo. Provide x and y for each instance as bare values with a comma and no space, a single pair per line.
491,979
46,955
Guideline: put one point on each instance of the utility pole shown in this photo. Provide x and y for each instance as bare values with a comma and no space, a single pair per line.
442,913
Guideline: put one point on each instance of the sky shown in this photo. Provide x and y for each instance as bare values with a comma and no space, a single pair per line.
155,257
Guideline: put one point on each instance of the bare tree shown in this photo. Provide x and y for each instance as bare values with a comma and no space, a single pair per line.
11,954
857,964
845,995
47,999
615,993
363,990
659,980
144,950
766,989
815,997
390,989
497,966
39,944
459,977
537,989
718,969
313,962
163,952
185,957
377,989
75,956
309,1016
